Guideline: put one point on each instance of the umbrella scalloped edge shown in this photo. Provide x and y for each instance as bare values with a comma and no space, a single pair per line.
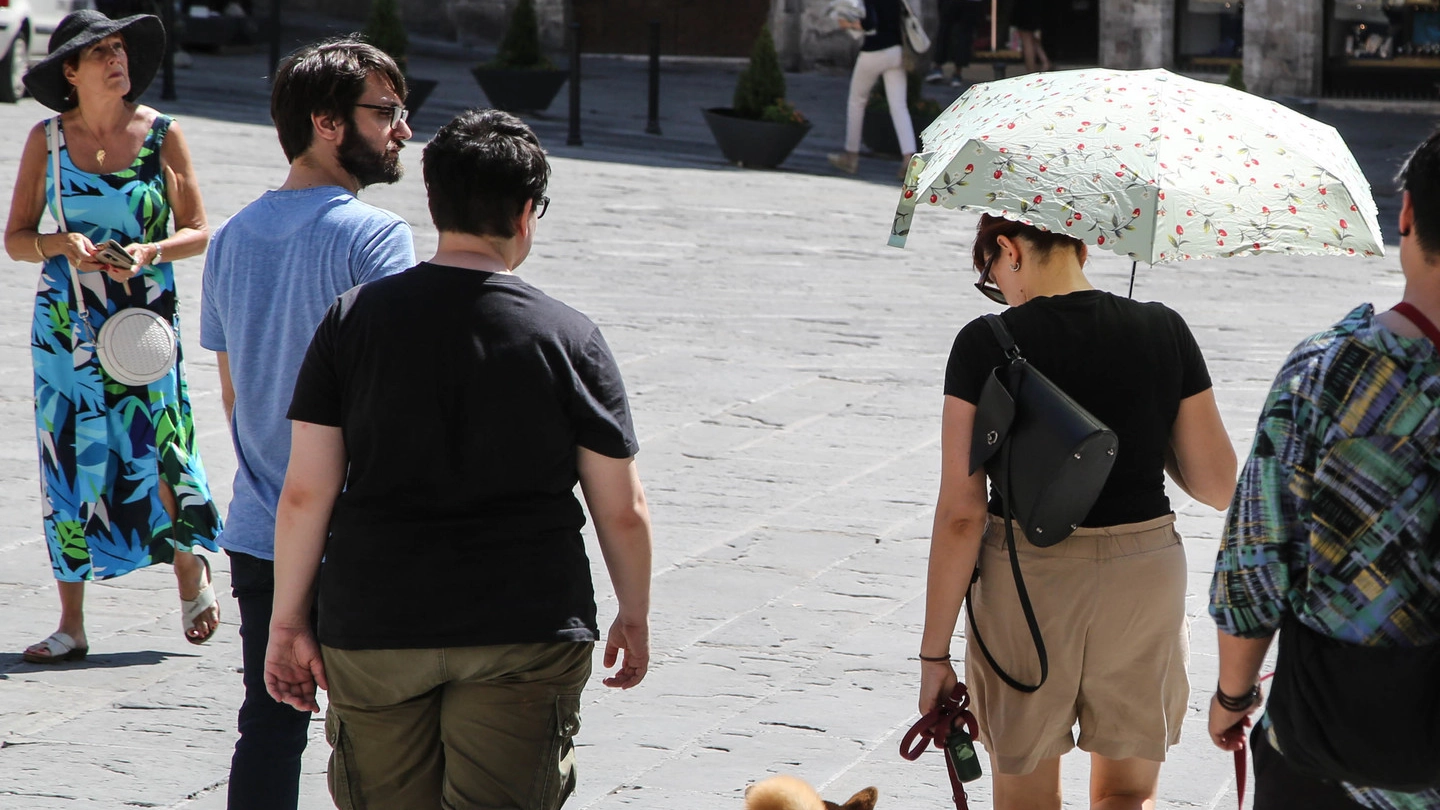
1100,242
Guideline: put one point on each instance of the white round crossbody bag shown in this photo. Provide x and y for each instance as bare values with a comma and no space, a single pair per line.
135,346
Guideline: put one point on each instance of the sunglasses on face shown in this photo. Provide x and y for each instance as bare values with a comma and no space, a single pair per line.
541,206
986,285
397,112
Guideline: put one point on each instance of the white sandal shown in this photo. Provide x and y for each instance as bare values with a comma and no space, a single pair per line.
192,609
59,648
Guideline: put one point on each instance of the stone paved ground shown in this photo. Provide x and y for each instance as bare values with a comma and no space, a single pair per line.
784,367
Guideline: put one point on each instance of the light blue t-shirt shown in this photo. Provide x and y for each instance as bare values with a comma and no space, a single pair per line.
271,272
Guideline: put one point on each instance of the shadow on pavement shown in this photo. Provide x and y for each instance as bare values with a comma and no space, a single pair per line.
12,663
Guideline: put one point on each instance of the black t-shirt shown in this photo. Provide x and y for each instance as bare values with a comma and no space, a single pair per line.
462,396
1126,362
883,18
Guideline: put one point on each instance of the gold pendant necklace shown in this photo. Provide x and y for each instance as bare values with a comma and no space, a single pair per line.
100,157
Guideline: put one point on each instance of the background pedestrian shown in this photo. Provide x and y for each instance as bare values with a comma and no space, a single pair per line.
122,479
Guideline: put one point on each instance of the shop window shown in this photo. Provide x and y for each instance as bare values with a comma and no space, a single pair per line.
1382,48
1209,34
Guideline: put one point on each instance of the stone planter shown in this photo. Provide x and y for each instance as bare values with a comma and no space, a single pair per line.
515,90
753,144
878,132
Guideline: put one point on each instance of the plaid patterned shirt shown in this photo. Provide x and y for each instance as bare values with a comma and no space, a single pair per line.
1354,416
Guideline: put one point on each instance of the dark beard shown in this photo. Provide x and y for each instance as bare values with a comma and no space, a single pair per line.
367,165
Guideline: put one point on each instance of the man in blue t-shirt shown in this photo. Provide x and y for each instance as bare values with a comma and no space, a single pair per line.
272,271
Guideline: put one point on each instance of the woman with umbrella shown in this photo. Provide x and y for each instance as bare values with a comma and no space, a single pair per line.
123,483
1109,599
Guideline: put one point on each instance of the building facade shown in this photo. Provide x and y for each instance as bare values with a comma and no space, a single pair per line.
1281,47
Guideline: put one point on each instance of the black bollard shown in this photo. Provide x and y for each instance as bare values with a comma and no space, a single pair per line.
574,137
652,126
167,75
274,37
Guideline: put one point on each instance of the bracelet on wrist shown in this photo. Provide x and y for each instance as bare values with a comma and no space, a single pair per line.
936,659
159,253
1238,703
40,250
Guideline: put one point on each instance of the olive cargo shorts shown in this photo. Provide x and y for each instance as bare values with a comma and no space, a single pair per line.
456,727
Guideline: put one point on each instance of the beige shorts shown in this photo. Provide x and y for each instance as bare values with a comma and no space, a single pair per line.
1110,603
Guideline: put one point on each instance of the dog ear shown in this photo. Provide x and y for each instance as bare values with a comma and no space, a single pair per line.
863,800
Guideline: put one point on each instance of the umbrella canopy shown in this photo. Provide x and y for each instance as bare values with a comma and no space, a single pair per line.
1148,164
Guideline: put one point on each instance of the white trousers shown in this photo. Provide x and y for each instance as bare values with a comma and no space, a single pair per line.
870,66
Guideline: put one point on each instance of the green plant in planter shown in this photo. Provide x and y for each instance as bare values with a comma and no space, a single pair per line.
760,90
1236,79
385,31
520,49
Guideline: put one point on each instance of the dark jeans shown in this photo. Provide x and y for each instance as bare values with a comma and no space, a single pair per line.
955,39
265,771
1280,787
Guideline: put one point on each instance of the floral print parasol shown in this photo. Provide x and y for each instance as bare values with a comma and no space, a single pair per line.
1148,164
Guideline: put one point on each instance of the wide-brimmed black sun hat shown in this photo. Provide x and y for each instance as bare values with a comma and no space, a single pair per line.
144,45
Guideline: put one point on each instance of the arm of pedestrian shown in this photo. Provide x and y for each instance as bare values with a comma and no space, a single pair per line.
23,239
1201,459
27,201
227,389
293,666
1240,662
960,518
192,230
616,501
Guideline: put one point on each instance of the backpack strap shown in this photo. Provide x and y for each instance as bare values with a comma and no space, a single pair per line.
1020,590
1002,336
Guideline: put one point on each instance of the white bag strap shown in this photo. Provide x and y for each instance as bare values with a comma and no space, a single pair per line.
52,141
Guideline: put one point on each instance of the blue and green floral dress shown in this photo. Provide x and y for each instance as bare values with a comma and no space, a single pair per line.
106,446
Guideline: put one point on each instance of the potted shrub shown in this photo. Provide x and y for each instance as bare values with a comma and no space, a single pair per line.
762,128
520,77
878,131
385,31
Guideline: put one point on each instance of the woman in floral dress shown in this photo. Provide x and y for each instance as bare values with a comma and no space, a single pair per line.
122,480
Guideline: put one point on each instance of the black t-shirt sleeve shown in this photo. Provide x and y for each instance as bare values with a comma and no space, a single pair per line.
973,356
1194,375
317,387
598,405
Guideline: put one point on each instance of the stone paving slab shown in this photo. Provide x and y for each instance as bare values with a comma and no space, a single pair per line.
785,369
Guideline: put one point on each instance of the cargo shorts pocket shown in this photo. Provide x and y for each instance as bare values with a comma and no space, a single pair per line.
557,774
341,772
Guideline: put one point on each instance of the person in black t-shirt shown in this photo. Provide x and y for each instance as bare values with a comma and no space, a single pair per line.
1109,599
441,420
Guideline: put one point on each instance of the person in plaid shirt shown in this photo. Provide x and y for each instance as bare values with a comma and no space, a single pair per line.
1348,434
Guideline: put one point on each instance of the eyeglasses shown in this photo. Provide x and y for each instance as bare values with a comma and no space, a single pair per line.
987,286
397,112
541,206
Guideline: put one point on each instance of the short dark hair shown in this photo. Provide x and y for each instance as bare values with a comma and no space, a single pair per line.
480,170
991,228
325,77
1421,177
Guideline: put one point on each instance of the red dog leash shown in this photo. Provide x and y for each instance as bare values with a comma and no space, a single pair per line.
1240,756
936,727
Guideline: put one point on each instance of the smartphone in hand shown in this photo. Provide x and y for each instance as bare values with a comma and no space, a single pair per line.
113,254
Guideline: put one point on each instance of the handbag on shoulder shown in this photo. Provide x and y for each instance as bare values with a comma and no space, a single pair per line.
1050,458
913,29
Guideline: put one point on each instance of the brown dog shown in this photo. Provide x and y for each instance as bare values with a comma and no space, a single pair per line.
790,793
